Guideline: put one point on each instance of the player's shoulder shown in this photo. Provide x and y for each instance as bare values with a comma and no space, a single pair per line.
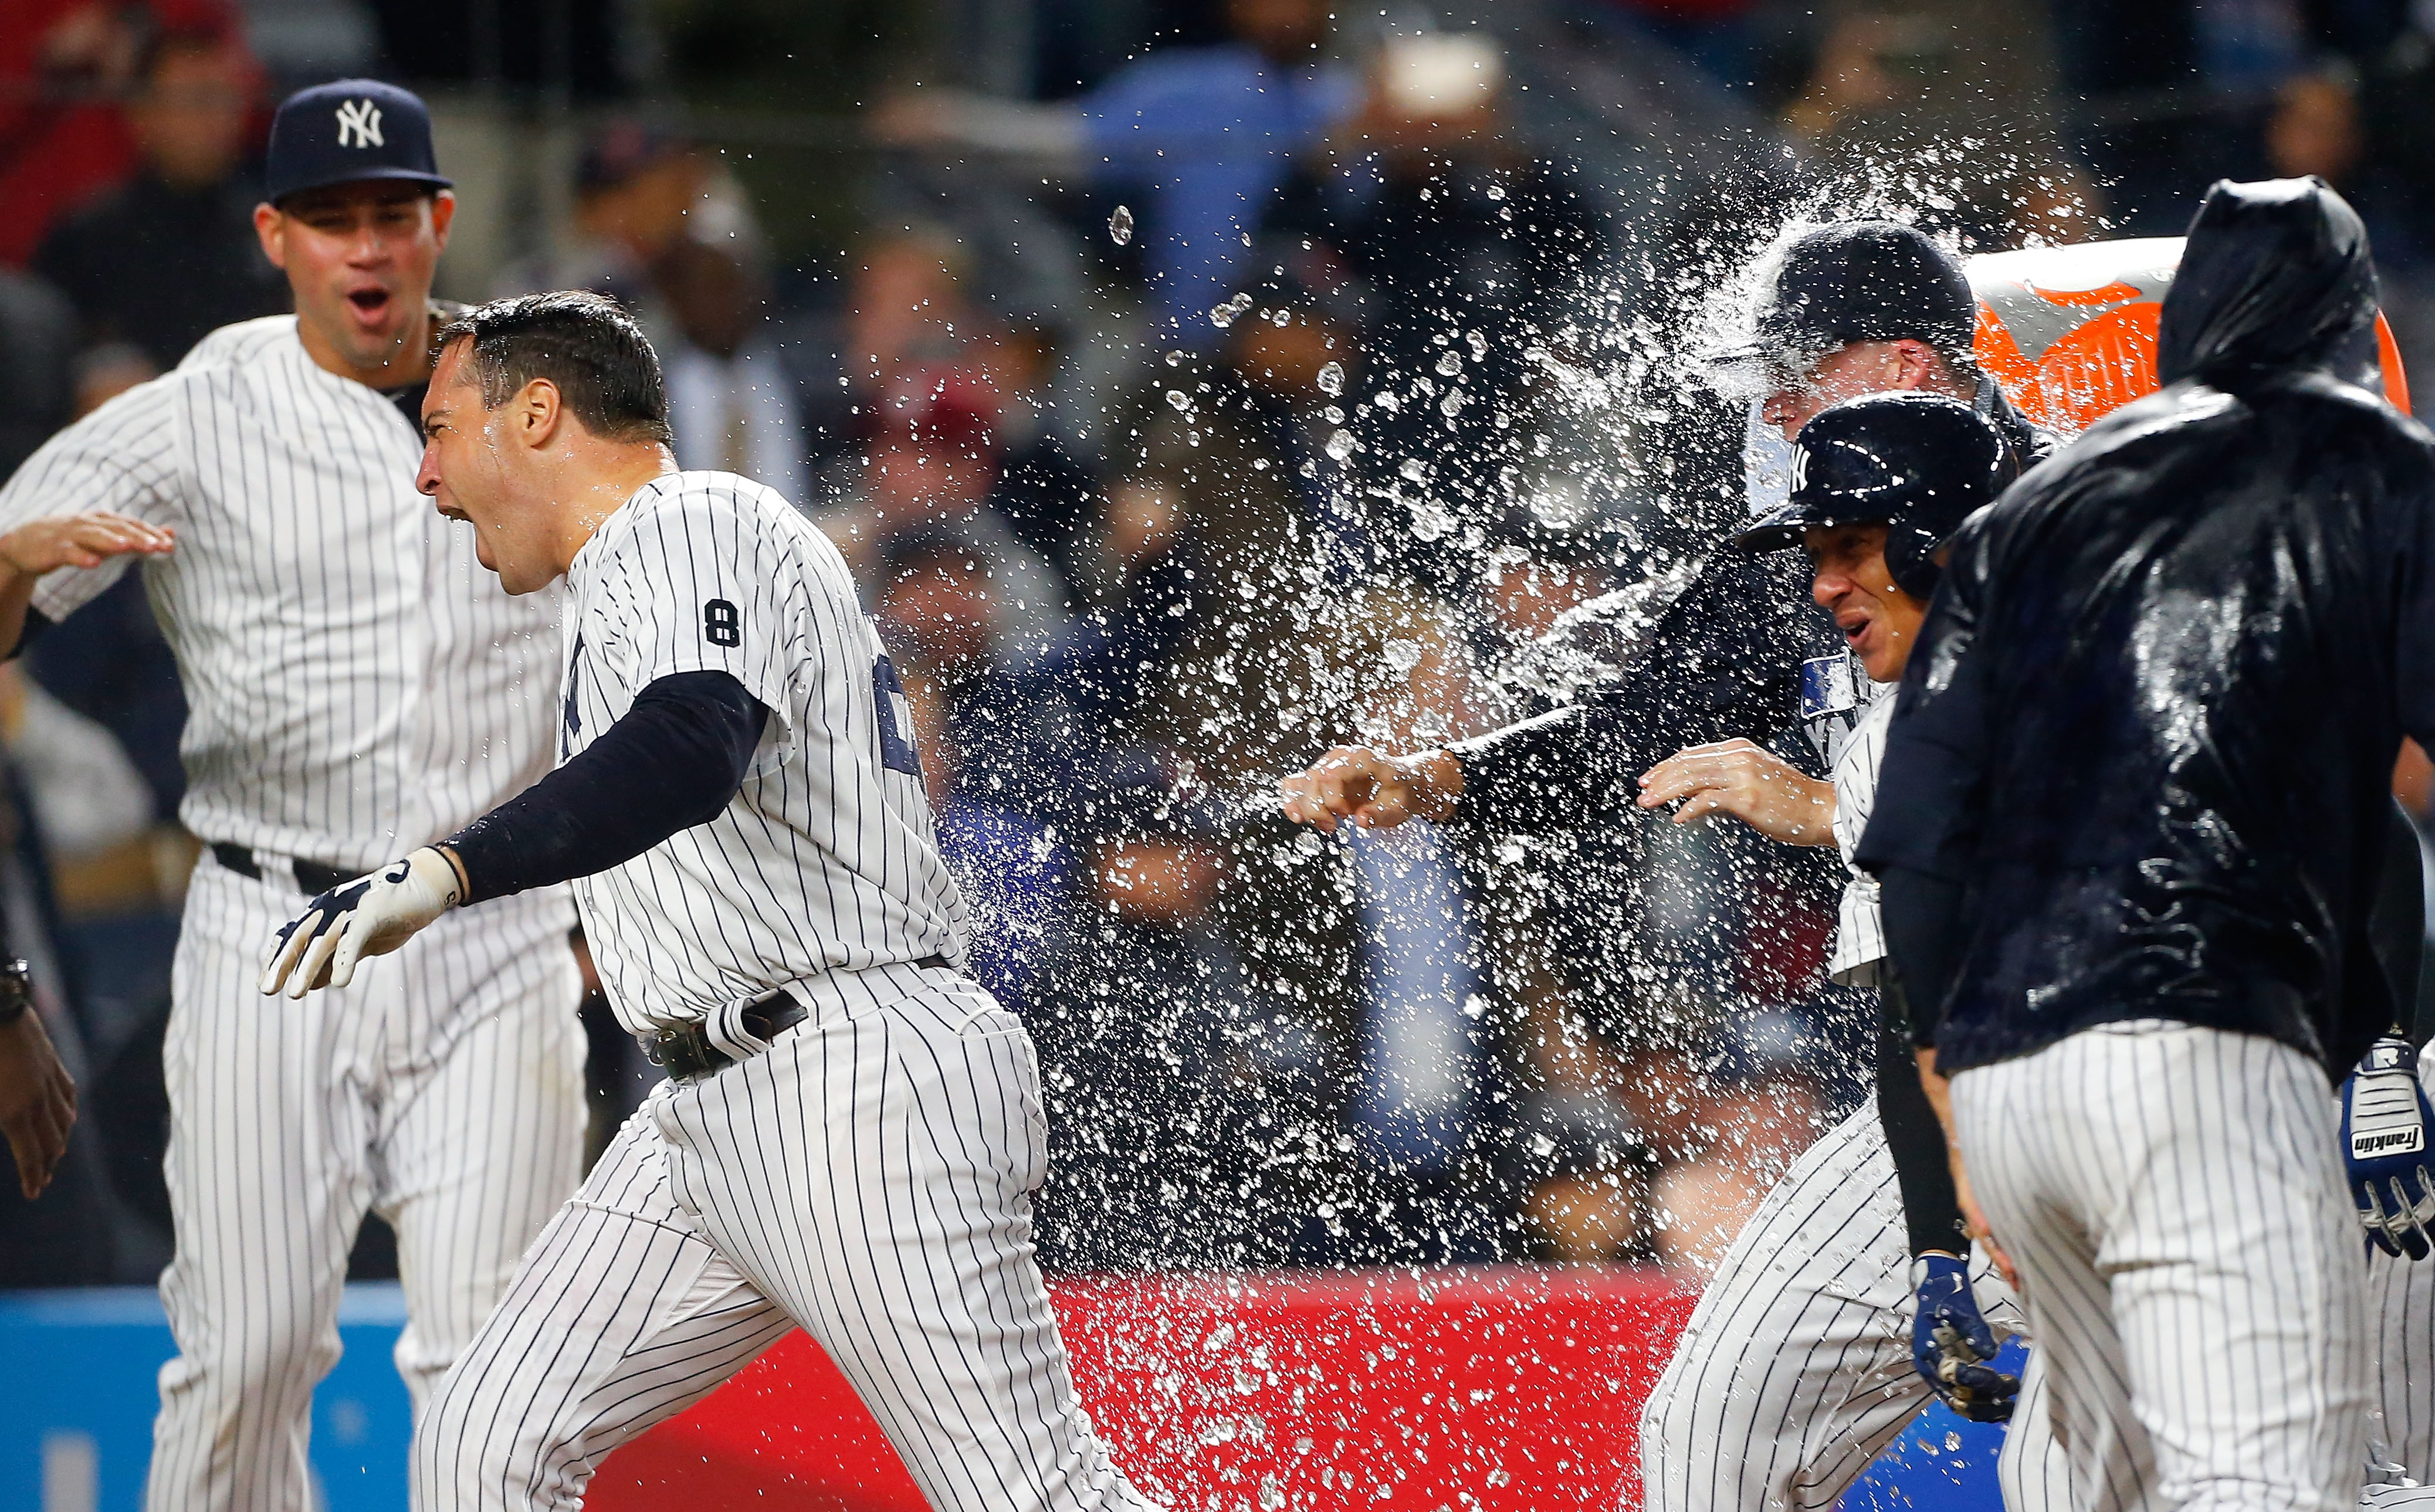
725,511
712,500
238,345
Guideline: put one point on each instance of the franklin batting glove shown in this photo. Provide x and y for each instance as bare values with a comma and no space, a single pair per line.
371,916
2385,1119
1951,1343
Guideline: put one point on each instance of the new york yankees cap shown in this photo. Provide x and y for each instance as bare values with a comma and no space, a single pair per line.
349,131
1854,281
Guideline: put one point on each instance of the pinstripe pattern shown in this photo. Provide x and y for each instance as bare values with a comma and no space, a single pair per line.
2401,1300
444,1094
359,686
2400,1296
1859,930
2173,1198
868,1178
1795,1369
829,856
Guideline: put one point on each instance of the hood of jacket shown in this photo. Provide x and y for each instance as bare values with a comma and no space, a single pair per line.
2276,280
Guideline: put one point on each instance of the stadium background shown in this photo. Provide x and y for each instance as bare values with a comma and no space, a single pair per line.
960,277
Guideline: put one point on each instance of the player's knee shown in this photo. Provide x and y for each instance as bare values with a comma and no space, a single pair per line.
463,1457
264,1352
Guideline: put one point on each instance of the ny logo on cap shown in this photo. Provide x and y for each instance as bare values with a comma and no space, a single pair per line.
359,125
1799,468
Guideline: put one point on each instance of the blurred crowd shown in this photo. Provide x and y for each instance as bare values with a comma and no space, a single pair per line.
1226,380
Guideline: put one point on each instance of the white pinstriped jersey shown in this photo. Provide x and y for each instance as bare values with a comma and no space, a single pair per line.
1859,929
359,683
827,858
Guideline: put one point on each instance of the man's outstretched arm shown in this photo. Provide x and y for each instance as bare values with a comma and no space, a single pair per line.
675,759
1720,661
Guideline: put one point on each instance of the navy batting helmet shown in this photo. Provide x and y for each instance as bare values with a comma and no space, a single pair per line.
1918,462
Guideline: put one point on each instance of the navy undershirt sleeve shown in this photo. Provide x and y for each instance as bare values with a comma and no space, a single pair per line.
673,761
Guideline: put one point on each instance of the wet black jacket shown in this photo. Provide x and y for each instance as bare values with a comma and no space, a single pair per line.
2146,743
1723,659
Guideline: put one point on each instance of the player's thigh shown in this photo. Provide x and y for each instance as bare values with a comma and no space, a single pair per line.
875,1175
484,1143
2232,1231
1795,1368
2031,1470
621,1316
2401,1330
265,1167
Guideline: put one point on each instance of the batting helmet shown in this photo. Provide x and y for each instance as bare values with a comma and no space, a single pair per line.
1918,462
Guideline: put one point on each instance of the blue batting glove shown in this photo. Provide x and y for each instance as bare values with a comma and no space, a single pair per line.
2385,1120
1951,1343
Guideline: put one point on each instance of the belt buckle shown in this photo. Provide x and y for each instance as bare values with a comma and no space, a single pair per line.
681,1053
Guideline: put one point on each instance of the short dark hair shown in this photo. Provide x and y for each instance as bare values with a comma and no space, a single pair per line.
584,343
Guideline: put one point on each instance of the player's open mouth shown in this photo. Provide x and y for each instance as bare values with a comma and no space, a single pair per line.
1856,631
369,301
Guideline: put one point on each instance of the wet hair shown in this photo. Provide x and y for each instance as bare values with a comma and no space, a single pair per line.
584,343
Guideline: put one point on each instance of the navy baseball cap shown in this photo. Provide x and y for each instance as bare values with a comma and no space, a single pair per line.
347,131
1856,280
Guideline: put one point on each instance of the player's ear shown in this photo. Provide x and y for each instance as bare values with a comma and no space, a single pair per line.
540,409
443,214
271,227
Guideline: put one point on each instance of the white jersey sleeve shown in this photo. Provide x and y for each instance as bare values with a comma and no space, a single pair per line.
1859,930
126,457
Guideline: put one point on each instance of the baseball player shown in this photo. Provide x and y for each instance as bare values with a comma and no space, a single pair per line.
1850,309
358,684
1832,1320
852,1133
2130,838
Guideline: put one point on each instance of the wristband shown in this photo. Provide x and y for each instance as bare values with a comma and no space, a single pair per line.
16,991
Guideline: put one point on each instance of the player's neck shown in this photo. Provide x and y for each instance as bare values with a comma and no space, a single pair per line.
408,362
589,494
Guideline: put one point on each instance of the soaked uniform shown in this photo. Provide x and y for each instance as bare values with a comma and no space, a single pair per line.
1795,1370
2130,836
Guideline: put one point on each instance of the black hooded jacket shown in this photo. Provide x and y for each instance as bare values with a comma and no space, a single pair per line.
2144,751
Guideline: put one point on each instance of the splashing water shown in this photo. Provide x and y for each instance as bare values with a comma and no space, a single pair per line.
1227,313
1120,226
1331,379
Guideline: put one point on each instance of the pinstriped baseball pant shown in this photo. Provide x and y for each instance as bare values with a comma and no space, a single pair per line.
1795,1373
2173,1197
868,1178
444,1089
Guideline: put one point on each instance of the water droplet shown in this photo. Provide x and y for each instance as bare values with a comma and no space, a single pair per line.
1331,379
1452,404
1225,315
1120,226
1414,469
1175,359
1431,520
1450,364
1332,414
1178,401
1478,345
1339,446
1401,654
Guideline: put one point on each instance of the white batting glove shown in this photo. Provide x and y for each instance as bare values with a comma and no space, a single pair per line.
371,916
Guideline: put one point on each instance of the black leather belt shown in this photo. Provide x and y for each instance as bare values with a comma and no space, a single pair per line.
312,878
685,1053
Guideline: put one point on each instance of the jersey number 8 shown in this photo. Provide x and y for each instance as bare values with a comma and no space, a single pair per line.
721,623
